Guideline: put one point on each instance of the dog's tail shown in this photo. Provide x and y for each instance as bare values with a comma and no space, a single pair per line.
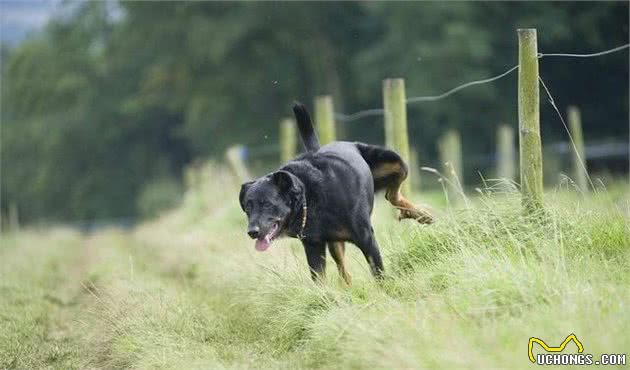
307,133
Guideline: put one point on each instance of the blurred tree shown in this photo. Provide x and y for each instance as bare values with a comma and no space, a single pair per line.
100,107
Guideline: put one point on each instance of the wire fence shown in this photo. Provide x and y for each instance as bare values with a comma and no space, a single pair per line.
577,152
417,99
372,112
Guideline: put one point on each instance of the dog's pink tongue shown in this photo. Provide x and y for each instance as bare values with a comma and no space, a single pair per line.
262,244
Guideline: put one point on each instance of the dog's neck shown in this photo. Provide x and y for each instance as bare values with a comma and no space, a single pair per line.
300,235
297,224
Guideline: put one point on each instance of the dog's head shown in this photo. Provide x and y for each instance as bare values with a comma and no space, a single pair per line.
270,202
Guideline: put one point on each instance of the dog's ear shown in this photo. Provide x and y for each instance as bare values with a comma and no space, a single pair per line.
288,184
241,196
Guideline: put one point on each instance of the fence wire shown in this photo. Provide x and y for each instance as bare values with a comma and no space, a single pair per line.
575,149
610,51
342,117
417,99
358,115
460,87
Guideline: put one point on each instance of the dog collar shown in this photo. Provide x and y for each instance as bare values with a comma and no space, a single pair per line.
304,215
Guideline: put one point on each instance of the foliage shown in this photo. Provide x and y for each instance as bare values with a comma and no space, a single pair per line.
159,195
98,105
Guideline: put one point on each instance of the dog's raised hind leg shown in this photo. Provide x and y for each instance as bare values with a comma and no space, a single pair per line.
407,209
389,171
392,175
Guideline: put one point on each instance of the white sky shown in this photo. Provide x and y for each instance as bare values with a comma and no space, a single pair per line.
18,18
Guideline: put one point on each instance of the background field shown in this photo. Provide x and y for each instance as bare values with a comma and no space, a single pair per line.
188,290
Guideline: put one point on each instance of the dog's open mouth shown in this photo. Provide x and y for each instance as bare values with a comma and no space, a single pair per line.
264,242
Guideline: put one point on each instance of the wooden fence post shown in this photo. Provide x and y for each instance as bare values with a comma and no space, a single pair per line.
450,150
325,119
580,172
506,154
530,145
395,107
288,139
234,156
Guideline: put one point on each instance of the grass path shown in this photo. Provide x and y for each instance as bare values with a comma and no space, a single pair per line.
40,294
189,291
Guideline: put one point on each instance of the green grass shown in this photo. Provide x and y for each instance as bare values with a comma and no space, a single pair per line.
188,290
33,294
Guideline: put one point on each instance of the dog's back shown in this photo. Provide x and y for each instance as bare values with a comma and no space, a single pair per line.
354,165
360,159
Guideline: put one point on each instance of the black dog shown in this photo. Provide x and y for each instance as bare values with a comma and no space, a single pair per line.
325,196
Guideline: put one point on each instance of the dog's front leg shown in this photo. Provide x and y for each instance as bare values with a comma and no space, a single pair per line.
316,258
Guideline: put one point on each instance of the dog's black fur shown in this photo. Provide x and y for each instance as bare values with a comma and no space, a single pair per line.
334,185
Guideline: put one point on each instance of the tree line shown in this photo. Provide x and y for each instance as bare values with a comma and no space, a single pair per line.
104,107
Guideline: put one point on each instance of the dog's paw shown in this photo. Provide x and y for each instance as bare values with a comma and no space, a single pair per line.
419,215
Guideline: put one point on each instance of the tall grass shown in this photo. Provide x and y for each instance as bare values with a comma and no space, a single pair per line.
189,291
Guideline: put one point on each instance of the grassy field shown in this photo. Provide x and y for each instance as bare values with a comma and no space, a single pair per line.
188,290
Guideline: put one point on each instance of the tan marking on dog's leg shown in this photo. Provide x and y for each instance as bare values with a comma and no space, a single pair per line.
393,195
337,251
407,209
